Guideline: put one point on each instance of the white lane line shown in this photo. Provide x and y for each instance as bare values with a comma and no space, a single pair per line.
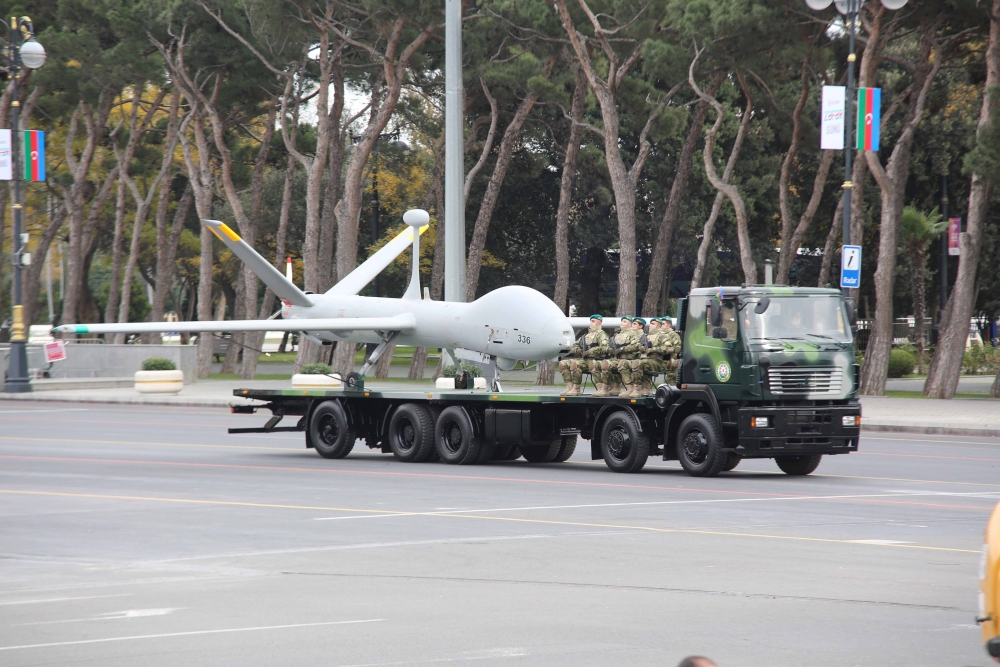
111,616
35,411
656,502
87,597
879,542
494,653
187,634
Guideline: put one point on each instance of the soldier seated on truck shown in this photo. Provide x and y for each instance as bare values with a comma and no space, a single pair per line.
609,366
585,356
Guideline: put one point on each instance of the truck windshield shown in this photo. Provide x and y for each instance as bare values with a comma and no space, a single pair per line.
804,317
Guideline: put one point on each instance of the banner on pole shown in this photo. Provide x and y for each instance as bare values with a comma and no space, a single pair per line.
34,155
869,117
832,121
6,157
954,234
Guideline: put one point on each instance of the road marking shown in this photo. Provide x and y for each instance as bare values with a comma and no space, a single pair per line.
931,456
489,654
88,597
880,542
475,516
186,634
452,510
111,616
147,444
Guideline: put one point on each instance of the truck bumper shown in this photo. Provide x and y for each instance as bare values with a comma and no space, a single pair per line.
798,430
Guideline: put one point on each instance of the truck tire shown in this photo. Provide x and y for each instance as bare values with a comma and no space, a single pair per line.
330,432
411,433
514,454
541,451
798,465
733,461
455,437
501,452
567,448
699,446
624,446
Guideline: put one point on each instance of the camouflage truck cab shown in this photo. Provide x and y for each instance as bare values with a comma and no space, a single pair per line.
766,371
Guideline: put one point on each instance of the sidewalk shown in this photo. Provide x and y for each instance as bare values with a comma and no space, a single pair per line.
974,417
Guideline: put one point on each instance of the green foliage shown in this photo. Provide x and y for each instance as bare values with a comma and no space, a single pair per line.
980,360
158,364
449,371
316,369
917,229
901,363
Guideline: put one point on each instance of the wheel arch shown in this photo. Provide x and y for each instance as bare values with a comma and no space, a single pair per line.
692,400
601,417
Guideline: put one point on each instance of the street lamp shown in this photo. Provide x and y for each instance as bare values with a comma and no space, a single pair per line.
851,9
22,49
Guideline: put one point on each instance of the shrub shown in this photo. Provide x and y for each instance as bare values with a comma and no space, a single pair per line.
449,371
979,359
901,363
158,364
316,369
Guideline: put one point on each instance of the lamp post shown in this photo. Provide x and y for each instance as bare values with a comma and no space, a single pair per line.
851,9
22,49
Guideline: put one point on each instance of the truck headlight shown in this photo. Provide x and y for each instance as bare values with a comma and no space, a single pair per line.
760,422
852,420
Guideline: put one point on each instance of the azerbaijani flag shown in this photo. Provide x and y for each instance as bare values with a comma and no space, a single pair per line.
869,116
34,155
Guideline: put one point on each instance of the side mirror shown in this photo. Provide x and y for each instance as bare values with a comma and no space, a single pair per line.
852,314
714,314
762,305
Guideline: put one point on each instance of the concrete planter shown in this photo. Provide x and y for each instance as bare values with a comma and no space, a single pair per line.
159,382
304,381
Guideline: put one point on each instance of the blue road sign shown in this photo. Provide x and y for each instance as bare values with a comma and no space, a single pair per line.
850,266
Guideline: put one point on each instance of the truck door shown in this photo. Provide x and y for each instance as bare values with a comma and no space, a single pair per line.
718,358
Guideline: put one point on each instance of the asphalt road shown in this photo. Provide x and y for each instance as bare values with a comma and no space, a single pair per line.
142,535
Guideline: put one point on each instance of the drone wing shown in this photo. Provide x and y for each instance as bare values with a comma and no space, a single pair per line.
404,323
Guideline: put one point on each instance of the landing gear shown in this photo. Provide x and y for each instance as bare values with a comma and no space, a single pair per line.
356,381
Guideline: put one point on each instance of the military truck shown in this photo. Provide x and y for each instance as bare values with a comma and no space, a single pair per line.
765,371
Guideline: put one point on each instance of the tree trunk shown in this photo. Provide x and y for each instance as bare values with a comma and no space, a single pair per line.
33,274
335,152
790,248
510,137
561,293
95,121
734,155
946,365
664,238
166,256
831,238
917,261
729,190
892,183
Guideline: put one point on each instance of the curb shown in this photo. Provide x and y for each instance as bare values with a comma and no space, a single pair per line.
931,430
181,403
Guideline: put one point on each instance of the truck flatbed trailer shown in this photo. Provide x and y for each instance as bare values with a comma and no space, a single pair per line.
469,426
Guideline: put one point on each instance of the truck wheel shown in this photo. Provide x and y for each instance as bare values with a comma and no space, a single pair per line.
502,452
455,437
798,465
514,454
733,461
330,432
624,446
699,446
567,448
411,433
541,451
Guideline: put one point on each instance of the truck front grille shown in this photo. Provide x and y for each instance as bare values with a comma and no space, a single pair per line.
788,381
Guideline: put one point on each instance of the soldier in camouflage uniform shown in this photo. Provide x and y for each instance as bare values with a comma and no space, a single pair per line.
664,345
631,345
609,366
585,355
596,349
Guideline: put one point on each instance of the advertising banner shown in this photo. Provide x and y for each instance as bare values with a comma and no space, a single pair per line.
832,123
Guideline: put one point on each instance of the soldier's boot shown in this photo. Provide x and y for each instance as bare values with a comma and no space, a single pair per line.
602,390
626,390
614,387
647,386
568,391
574,390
